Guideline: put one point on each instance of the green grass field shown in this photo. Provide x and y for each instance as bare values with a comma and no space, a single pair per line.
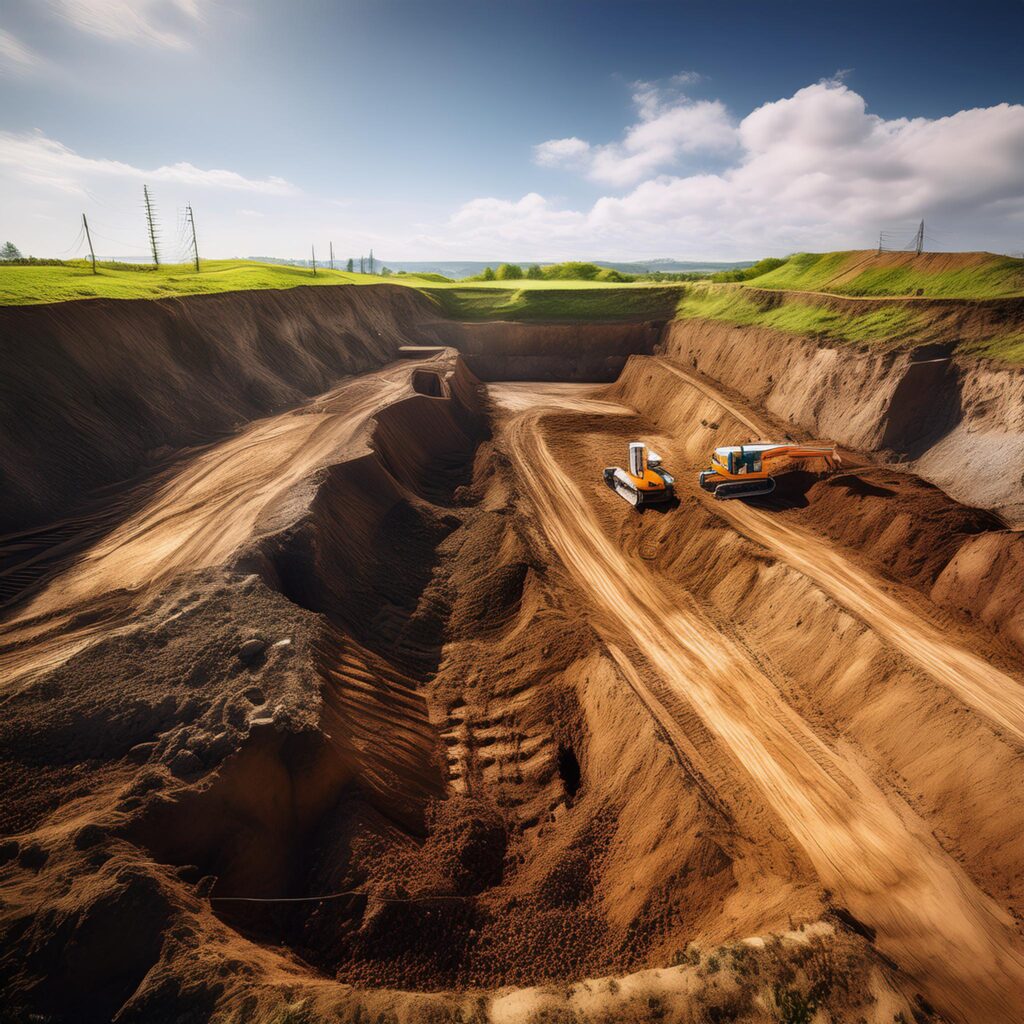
934,275
557,300
887,323
29,285
473,300
569,300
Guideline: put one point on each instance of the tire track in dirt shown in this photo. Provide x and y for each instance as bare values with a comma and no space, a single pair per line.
993,693
869,848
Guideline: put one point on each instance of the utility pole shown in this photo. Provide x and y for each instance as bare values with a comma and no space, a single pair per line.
331,244
313,248
195,244
151,225
88,238
919,241
371,261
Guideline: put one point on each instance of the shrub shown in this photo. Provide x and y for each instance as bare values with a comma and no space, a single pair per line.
573,270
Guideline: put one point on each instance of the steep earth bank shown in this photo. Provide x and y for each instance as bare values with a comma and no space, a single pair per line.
954,420
99,391
490,735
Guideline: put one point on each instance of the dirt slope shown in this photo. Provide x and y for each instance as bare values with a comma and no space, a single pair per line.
954,420
383,707
924,909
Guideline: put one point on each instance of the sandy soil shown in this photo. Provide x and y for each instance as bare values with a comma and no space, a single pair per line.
864,844
385,708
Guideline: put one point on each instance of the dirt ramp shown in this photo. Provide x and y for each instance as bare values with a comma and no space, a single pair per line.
95,392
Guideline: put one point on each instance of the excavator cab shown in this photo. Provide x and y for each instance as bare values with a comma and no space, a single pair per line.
745,462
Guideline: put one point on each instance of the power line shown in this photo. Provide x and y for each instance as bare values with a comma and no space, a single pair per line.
894,241
75,245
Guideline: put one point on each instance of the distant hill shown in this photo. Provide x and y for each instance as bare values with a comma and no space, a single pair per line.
458,269
964,275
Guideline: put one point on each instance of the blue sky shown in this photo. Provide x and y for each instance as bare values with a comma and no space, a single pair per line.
526,131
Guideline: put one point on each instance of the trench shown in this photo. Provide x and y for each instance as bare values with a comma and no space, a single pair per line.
278,821
373,769
333,817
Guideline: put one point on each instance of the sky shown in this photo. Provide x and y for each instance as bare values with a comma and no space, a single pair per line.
563,129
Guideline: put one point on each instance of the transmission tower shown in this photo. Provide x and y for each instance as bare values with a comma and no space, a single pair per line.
371,261
332,254
313,250
88,238
151,225
919,239
195,244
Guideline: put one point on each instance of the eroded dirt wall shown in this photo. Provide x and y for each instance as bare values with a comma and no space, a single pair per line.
582,352
956,421
97,391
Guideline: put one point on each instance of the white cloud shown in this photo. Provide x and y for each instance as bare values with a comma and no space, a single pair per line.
158,22
39,160
670,127
812,171
15,57
561,152
494,222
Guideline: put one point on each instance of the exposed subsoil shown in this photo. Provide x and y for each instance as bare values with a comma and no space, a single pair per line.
384,708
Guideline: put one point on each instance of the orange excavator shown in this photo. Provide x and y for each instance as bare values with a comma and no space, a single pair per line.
748,470
645,481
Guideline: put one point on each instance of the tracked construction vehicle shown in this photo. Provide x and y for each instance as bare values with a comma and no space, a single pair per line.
645,481
749,470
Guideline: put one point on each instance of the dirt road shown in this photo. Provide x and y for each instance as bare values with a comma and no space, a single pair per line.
975,681
866,845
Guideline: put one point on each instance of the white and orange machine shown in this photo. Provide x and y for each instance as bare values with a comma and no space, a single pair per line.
645,482
747,470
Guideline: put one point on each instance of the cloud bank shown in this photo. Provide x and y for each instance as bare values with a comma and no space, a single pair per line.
815,170
38,160
686,178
